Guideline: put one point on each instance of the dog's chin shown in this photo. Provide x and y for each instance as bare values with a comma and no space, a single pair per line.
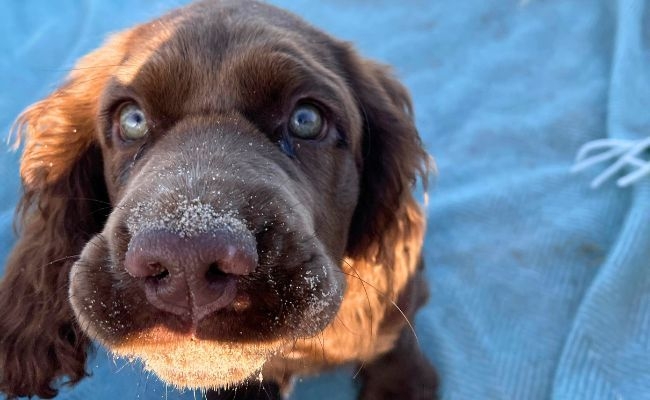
187,362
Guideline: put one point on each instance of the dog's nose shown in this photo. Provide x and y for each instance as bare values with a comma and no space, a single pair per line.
191,275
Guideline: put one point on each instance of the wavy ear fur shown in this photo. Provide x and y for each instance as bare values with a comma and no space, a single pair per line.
393,159
64,203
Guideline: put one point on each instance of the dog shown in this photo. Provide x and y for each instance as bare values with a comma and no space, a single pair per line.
225,194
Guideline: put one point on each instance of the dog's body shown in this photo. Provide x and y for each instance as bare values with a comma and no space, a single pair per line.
237,187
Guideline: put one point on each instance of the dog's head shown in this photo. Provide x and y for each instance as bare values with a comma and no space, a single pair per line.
214,168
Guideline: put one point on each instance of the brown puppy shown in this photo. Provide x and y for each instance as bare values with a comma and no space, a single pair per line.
225,194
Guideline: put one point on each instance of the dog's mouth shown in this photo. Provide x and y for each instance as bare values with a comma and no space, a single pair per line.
232,345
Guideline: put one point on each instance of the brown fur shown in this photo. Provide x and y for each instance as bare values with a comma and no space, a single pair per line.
221,76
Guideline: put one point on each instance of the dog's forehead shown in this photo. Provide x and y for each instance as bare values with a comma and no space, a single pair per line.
222,54
208,33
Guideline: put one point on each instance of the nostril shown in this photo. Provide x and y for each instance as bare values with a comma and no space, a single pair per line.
158,272
215,274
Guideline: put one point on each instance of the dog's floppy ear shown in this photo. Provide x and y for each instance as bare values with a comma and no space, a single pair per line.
64,202
393,159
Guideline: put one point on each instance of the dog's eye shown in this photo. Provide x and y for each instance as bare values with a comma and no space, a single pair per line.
133,122
306,122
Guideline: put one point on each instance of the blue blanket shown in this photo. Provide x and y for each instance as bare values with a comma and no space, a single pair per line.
540,284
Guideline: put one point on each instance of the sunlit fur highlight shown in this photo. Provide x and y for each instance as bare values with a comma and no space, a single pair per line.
191,363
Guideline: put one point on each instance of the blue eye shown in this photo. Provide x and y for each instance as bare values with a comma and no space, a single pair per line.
306,122
133,122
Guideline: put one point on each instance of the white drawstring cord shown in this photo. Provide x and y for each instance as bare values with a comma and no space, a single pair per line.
625,151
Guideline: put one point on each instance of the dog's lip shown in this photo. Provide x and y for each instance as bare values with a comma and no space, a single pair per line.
162,335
